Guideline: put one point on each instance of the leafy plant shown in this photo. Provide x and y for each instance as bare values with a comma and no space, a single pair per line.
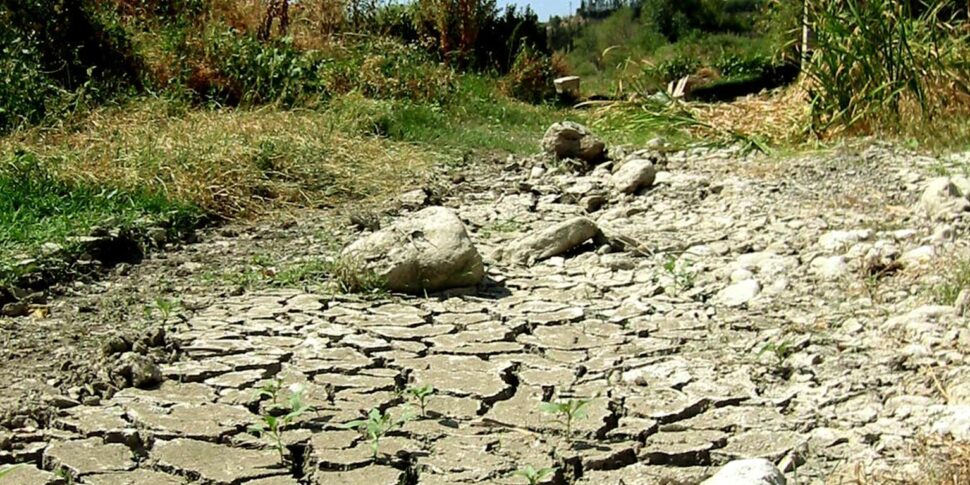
683,278
270,390
781,350
376,425
272,427
567,412
166,308
533,475
421,394
957,280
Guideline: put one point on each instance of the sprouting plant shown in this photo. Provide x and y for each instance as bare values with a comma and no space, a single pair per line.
533,475
165,307
61,473
421,394
272,427
376,425
683,278
781,350
567,412
270,390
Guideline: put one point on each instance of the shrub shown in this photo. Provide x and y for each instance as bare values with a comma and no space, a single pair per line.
532,74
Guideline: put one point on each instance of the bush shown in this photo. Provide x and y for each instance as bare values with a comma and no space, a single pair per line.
25,91
531,76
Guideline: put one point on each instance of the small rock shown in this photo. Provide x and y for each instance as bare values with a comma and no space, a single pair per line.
739,293
634,175
592,203
942,200
830,268
573,140
756,471
917,256
741,274
414,199
115,345
15,309
141,371
537,172
553,241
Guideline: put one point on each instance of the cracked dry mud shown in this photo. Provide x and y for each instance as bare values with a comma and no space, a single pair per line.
744,325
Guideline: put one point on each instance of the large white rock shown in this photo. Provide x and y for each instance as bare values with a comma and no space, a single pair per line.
942,199
552,241
757,471
635,174
428,250
573,140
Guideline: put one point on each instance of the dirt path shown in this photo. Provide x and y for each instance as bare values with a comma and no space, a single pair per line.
776,309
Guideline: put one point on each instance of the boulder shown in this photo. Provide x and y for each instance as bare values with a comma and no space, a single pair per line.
942,199
757,471
573,140
553,241
635,174
428,250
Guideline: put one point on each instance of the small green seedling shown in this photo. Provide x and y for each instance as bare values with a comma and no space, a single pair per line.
271,428
567,411
683,278
376,426
421,394
781,350
165,307
270,390
533,475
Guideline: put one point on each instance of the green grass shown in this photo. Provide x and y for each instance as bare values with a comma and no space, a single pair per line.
159,159
957,280
38,208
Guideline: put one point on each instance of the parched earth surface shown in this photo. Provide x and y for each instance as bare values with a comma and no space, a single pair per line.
771,308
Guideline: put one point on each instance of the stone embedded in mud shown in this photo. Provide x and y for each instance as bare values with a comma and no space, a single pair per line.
747,472
429,250
635,174
573,140
553,241
942,199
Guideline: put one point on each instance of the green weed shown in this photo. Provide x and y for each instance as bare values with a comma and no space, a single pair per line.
533,475
272,427
957,280
165,307
781,350
376,425
681,276
567,412
421,394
